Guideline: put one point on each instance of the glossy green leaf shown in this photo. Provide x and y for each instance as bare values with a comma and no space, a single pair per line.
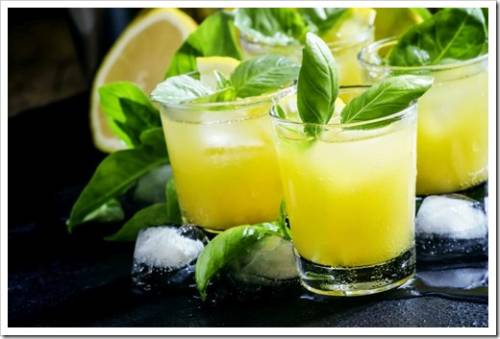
262,75
177,89
117,172
318,83
216,36
451,34
128,110
321,20
274,26
226,247
111,211
387,97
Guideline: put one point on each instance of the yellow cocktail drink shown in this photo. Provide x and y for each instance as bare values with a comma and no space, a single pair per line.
453,134
223,162
452,147
350,201
350,194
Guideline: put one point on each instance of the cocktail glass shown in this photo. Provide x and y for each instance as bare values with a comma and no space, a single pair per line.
452,143
223,161
350,198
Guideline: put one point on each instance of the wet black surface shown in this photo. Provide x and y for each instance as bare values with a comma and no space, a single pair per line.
56,279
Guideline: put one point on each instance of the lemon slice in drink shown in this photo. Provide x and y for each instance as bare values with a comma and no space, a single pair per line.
141,54
396,21
208,65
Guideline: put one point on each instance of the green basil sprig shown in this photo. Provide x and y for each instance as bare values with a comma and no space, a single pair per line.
318,83
117,172
252,77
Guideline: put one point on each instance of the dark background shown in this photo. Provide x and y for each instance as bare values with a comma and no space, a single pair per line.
54,53
56,279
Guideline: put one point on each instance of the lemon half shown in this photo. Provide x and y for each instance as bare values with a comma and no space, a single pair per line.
141,54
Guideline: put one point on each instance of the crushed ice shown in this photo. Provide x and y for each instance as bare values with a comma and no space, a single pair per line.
166,247
453,216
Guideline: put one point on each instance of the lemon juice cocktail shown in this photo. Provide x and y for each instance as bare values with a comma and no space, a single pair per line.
350,195
223,162
347,158
219,139
350,198
453,130
451,47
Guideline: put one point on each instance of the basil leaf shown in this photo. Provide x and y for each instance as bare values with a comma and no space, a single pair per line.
318,83
321,20
273,26
111,211
154,140
451,34
138,118
262,75
173,208
117,172
387,97
181,88
226,247
153,215
128,110
216,36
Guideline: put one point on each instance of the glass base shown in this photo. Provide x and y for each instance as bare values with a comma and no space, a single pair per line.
356,281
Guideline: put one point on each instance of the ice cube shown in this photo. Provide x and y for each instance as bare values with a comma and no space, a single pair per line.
269,261
450,226
165,256
453,216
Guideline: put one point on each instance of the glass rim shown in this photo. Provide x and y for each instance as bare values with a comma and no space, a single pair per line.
239,103
333,45
408,111
377,45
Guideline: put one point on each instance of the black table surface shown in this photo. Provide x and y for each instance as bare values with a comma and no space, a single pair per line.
57,280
